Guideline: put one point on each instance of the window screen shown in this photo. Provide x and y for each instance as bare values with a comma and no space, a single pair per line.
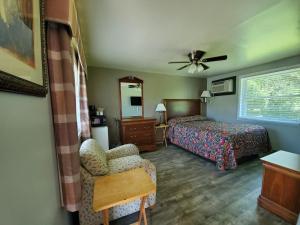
271,97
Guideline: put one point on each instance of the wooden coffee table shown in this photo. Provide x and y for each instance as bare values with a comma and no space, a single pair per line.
120,188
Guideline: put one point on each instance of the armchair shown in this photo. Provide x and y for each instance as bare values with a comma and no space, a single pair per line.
96,162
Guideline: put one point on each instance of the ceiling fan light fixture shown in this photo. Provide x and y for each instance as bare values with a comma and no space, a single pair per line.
192,68
195,61
200,68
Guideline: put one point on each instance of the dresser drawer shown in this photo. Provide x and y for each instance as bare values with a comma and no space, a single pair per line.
140,138
140,141
134,135
132,128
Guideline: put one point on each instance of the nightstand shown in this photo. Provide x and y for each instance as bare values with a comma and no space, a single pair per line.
163,127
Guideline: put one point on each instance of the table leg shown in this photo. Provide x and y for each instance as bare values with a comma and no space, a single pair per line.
165,138
142,212
105,214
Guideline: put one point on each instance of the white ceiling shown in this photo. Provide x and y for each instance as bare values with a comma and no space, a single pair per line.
143,35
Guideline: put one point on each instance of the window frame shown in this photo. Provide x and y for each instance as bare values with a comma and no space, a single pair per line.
239,96
76,76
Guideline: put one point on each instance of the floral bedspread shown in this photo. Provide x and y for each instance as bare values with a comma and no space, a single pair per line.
218,141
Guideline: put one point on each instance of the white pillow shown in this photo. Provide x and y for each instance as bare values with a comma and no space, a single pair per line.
93,158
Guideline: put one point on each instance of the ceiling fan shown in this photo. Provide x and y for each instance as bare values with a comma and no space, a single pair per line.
195,62
134,85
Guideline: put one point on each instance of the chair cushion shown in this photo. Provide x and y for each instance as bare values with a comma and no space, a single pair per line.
93,158
125,163
122,151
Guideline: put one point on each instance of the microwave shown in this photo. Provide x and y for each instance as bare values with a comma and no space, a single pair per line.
98,121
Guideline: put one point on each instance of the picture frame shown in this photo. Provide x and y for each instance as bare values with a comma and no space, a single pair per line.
225,86
23,57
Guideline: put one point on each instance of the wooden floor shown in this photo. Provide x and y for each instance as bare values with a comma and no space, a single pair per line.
191,191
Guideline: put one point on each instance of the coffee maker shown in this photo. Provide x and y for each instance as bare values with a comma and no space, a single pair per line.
96,116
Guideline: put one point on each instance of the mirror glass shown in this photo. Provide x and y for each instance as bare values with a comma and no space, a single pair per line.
131,99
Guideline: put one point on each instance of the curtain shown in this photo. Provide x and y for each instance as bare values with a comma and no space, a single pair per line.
64,12
63,99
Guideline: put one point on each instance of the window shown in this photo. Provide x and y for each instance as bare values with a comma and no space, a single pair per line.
271,97
77,94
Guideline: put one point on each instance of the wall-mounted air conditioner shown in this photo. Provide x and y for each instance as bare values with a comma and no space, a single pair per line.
223,86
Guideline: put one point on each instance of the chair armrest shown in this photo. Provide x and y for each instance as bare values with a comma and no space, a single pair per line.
122,151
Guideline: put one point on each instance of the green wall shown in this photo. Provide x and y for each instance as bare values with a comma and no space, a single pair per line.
103,90
29,192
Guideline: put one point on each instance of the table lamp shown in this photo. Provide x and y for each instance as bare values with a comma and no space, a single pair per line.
205,94
160,108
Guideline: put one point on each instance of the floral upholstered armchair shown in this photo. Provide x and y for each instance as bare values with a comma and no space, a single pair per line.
97,162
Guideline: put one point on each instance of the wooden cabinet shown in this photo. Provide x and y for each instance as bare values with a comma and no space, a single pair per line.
139,132
280,192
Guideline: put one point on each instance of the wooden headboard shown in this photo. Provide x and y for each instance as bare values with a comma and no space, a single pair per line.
181,107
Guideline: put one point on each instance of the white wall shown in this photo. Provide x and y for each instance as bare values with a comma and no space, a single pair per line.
29,192
225,108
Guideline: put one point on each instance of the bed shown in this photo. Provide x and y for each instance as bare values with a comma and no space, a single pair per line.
223,143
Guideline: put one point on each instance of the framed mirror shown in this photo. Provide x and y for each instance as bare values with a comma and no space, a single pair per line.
131,97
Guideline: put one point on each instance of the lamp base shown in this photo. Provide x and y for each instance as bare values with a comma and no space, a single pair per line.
204,100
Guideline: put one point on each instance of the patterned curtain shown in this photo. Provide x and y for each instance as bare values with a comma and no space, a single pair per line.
62,90
84,111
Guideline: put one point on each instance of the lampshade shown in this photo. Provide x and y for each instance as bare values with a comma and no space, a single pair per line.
160,107
192,68
205,94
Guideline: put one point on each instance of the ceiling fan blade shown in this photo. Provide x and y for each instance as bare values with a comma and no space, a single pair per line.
184,66
179,62
199,54
205,67
191,57
216,58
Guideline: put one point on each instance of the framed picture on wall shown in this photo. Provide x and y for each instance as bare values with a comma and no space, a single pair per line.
23,64
225,86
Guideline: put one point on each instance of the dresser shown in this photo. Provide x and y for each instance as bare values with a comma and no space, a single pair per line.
140,132
280,191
